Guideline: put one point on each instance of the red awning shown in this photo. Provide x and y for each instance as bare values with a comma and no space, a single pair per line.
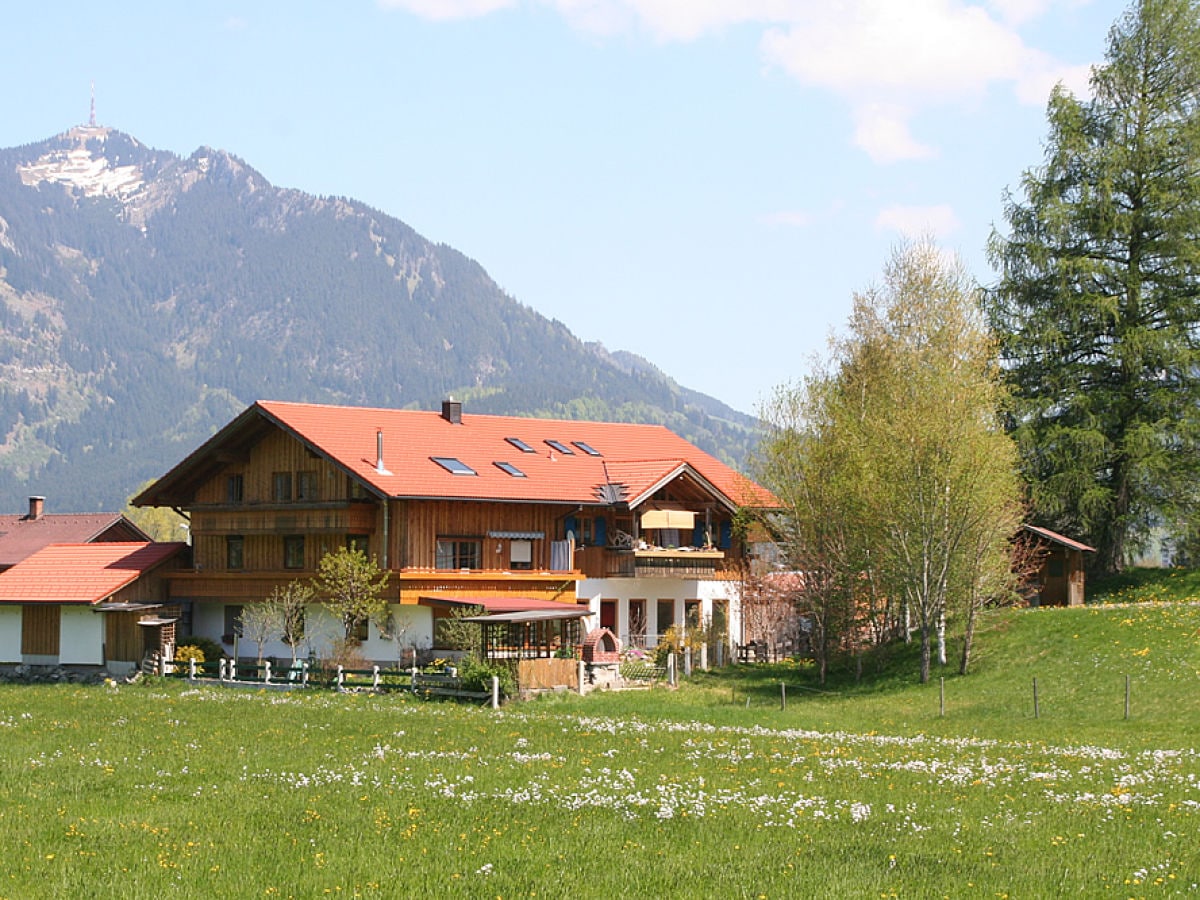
499,604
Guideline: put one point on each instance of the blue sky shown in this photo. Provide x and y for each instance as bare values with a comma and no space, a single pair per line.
703,182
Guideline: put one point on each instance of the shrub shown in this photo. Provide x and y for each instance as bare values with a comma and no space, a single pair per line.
476,675
209,650
188,653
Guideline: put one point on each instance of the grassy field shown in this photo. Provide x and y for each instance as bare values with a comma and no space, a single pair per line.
862,790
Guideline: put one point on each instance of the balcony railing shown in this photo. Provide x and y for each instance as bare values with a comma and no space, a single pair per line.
607,562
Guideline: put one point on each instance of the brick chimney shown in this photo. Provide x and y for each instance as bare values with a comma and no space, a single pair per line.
452,411
36,505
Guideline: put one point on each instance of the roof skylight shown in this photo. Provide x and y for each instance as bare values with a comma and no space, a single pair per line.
453,466
587,448
520,445
561,447
510,469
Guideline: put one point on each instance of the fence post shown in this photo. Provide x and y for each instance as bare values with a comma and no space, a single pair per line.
1126,696
233,669
495,692
671,669
341,676
375,678
1036,710
579,675
942,696
782,696
267,672
704,657
687,662
192,668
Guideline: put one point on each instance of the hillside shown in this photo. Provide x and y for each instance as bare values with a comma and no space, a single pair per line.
146,298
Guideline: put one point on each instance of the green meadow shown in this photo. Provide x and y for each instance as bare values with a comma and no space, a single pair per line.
858,789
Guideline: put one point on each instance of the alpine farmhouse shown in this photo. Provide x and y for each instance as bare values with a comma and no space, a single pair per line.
630,523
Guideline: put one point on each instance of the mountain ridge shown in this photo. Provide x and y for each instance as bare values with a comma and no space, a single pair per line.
146,298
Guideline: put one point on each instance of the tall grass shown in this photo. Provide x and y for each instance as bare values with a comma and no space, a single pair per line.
712,790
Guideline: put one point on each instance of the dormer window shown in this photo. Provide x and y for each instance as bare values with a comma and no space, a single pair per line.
453,466
520,445
561,448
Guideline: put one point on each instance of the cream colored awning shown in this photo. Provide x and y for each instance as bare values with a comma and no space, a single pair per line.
669,518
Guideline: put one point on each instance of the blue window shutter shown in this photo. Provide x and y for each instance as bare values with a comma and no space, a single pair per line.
600,532
571,524
726,535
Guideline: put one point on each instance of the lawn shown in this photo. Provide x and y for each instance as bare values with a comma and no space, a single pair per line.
863,789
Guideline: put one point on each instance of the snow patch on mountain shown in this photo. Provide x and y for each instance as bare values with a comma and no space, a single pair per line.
78,168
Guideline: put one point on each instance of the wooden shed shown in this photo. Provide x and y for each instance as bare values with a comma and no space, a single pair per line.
1060,579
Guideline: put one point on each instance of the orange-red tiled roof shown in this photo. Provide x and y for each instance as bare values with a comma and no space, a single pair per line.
21,535
81,573
636,455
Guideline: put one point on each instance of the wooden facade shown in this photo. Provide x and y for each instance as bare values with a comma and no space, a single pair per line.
252,510
40,625
531,511
1061,576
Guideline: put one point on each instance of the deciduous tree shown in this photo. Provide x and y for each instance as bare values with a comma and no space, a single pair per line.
352,587
893,467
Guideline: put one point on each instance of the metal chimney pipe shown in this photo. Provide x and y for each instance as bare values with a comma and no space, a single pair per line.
380,468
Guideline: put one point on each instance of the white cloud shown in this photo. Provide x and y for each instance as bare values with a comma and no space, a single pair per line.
928,49
888,59
790,218
448,9
916,222
881,131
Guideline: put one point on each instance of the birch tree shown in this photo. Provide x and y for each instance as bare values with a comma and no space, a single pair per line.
900,478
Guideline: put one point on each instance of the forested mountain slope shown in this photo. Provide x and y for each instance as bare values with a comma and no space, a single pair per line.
146,298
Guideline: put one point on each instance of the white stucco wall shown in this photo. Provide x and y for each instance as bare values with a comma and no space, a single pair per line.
652,590
10,634
414,625
81,637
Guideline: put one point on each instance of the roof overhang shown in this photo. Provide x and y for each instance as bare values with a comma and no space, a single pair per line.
1055,538
532,615
499,605
683,469
114,606
228,446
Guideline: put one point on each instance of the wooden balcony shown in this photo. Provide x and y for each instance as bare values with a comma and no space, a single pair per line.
311,518
607,562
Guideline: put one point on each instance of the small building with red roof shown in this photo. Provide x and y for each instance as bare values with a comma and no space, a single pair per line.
24,534
630,520
1060,579
100,604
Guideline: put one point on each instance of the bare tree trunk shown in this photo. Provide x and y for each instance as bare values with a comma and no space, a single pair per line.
968,636
926,653
941,638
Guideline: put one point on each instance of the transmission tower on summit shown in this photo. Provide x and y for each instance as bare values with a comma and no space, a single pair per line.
92,117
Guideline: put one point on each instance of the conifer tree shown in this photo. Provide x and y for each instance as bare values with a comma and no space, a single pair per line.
1098,302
